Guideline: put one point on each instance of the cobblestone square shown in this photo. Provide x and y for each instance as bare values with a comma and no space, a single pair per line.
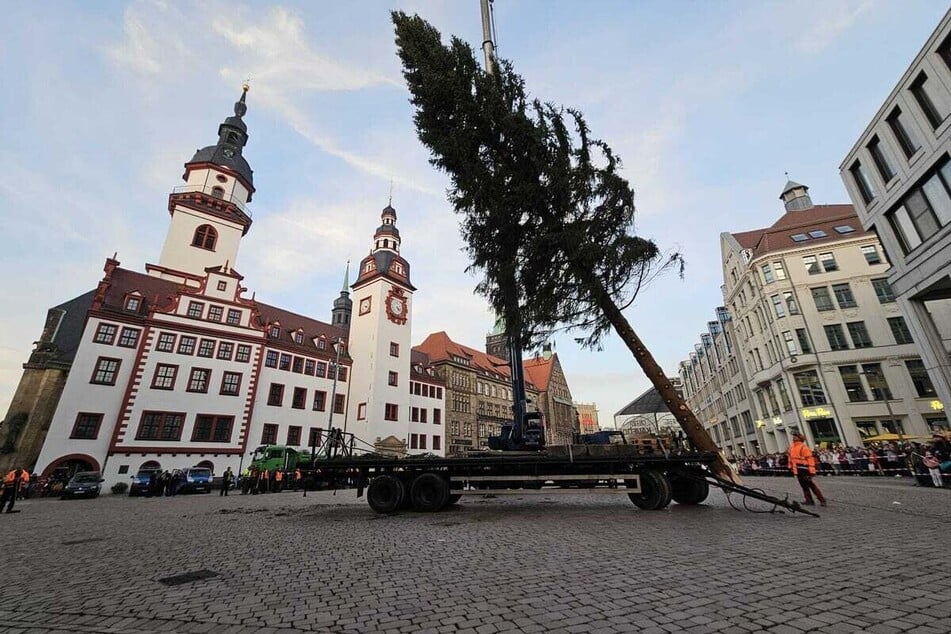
875,561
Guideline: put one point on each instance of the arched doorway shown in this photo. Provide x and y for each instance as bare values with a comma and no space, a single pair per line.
150,464
206,464
62,469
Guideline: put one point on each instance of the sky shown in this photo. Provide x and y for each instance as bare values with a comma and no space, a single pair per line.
708,104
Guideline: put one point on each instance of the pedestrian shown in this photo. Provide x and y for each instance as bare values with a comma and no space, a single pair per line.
164,484
264,481
226,482
12,481
803,465
933,466
297,478
278,480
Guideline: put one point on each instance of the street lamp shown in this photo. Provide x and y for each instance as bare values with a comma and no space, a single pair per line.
885,396
338,344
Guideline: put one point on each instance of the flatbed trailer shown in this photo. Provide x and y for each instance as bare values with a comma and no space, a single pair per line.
429,484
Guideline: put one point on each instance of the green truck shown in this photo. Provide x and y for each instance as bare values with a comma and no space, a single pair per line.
279,458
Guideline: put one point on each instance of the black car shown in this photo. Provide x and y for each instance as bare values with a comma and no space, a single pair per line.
83,484
142,482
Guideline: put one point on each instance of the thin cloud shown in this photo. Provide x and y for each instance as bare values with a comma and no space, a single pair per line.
831,25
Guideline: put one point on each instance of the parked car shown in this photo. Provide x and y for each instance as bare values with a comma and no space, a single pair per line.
196,480
141,482
83,484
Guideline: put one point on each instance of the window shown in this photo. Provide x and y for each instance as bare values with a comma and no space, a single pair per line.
902,135
437,443
186,344
862,182
859,334
944,51
778,306
828,262
195,309
394,349
285,363
883,290
790,342
166,342
275,395
269,434
218,192
414,441
920,378
340,403
791,303
321,369
876,381
823,300
132,304
298,338
767,273
810,389
803,339
843,229
423,415
211,428
799,237
361,411
234,317
843,295
160,426
811,264
936,191
900,330
299,400
164,377
298,365
783,395
205,237
393,378
853,383
870,251
222,285
293,435
391,412
836,337
881,161
818,233
314,437
86,426
414,414
321,344
215,312
320,400
275,332
225,350
198,380
270,360
934,109
310,366
230,383
105,371
129,338
779,270
437,418
244,353
106,333
206,348
422,441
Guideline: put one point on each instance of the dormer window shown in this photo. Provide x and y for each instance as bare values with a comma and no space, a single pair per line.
397,268
298,337
133,303
370,266
275,332
321,344
205,237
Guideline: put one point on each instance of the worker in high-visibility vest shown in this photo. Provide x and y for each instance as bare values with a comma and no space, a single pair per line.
264,481
297,478
12,482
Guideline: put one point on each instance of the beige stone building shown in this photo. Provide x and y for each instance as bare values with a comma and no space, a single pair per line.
587,417
810,338
553,398
898,174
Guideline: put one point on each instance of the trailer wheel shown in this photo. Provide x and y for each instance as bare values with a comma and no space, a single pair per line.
385,493
688,490
429,492
655,491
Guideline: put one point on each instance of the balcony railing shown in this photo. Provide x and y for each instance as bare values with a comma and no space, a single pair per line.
209,189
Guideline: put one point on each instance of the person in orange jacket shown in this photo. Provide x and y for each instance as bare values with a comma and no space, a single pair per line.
278,480
12,482
802,463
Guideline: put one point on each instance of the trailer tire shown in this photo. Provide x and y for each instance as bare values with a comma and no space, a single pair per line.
386,493
429,492
655,491
688,490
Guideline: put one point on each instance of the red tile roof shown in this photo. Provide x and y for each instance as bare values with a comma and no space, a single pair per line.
439,347
778,237
538,371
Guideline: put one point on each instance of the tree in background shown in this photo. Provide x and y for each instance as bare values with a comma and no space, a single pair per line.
547,219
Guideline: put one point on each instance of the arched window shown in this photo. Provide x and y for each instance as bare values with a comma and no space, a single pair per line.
150,464
206,464
205,237
218,192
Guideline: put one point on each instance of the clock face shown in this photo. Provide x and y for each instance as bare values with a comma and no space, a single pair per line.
364,306
396,306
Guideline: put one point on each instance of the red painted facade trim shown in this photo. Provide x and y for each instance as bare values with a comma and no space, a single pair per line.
249,409
174,451
135,378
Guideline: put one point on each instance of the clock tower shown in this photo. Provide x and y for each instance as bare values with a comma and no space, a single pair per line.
381,339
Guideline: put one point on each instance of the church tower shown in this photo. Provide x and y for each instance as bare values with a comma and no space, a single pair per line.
380,339
209,213
343,305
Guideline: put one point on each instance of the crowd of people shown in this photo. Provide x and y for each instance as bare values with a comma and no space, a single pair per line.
928,462
254,481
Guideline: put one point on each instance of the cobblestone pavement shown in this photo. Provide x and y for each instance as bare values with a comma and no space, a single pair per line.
876,561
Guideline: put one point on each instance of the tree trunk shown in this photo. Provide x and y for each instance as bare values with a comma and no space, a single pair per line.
675,403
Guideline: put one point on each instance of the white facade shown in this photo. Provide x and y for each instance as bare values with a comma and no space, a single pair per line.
898,174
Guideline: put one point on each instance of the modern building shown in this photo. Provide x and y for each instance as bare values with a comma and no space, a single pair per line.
810,338
898,175
178,366
648,414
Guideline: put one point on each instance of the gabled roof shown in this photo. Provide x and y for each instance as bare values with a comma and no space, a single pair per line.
650,402
538,370
439,347
778,237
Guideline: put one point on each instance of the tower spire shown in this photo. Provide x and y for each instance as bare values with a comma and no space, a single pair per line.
346,279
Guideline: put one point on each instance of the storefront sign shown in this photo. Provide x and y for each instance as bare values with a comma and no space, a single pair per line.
816,412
